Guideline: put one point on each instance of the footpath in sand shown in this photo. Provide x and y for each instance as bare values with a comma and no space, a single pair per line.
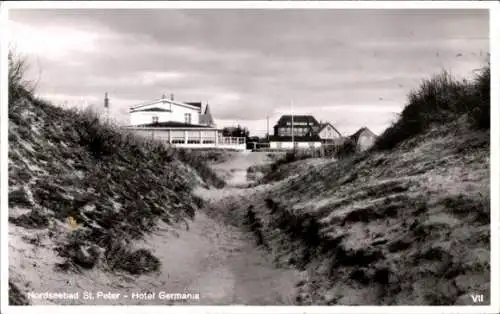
218,261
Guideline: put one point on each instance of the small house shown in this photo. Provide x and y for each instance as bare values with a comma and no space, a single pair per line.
364,139
328,133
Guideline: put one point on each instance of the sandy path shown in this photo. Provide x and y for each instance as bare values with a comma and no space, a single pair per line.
218,261
236,167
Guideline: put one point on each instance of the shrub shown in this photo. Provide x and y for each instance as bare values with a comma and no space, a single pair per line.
136,262
19,86
346,149
480,114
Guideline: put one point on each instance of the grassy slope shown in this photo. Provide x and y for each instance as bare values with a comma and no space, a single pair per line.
66,164
407,223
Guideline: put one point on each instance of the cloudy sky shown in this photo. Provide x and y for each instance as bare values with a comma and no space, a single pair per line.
353,68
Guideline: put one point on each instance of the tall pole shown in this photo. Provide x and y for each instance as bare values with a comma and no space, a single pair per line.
293,138
268,127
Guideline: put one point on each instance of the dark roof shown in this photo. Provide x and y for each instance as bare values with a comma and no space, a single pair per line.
151,109
314,138
173,124
356,135
195,104
296,118
192,104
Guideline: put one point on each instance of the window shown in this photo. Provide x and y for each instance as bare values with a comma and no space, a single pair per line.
187,118
155,119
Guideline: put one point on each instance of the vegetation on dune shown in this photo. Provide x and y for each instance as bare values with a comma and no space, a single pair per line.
439,100
116,187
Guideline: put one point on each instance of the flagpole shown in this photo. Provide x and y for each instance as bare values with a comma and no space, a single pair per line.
291,112
267,126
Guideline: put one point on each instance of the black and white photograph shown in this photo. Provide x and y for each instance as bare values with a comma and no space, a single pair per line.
253,156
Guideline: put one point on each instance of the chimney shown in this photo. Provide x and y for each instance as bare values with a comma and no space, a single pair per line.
163,96
172,97
106,100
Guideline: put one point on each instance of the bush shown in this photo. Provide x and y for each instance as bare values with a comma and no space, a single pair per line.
480,114
19,86
440,99
137,262
346,149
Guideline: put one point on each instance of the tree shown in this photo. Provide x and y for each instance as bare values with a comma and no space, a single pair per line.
238,131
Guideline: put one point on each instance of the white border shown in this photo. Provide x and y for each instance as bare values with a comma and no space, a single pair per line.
251,4
495,145
495,157
4,146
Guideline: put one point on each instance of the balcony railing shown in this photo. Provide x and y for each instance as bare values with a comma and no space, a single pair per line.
232,140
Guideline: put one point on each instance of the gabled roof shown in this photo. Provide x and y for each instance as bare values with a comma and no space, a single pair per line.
191,105
313,138
296,118
173,124
356,135
154,109
324,125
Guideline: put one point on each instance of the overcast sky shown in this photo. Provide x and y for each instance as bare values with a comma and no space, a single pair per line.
353,68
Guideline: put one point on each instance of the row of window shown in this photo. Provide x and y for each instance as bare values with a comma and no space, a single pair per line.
187,118
193,141
296,131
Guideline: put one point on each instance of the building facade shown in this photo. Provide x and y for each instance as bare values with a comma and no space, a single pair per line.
180,124
302,131
302,125
168,110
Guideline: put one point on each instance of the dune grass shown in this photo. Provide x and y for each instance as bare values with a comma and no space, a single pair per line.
439,100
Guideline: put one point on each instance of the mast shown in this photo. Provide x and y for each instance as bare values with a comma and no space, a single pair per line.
268,127
291,112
